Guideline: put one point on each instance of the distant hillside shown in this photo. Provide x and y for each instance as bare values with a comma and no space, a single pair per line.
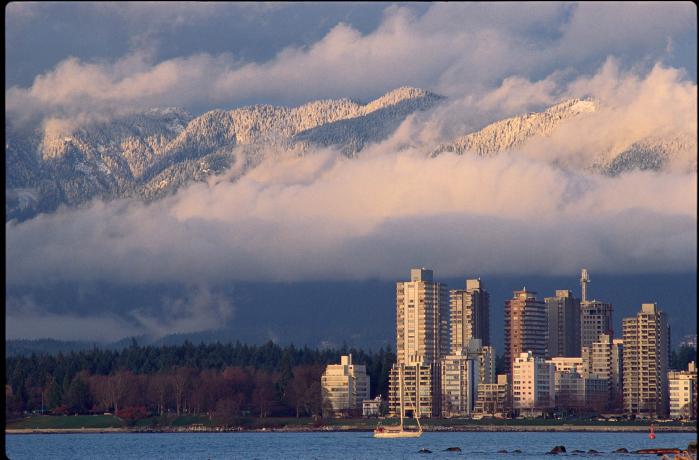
44,346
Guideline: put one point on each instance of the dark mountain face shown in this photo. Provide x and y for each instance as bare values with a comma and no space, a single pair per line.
361,313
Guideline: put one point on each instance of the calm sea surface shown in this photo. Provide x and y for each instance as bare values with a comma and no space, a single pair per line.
294,446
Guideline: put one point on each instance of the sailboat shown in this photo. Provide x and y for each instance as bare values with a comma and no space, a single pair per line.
399,431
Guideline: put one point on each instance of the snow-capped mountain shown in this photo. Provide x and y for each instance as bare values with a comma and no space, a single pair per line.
653,152
513,132
650,153
153,153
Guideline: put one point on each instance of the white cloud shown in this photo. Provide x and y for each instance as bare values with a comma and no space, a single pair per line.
453,49
325,216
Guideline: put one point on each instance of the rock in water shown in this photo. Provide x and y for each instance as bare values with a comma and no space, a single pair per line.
558,450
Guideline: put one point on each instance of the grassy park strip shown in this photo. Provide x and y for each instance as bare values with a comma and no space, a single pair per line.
110,423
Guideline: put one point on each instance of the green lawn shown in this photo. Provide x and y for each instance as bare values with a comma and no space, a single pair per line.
68,422
174,420
110,421
543,422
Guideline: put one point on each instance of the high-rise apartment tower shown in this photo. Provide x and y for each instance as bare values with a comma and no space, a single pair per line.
422,319
525,326
563,312
595,320
646,359
422,339
470,315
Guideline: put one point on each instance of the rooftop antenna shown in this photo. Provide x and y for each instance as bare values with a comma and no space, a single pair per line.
584,279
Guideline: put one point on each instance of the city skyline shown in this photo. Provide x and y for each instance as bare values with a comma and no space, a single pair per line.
443,369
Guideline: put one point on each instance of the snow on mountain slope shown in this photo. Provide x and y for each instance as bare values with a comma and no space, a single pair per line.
151,154
513,132
379,119
651,153
654,152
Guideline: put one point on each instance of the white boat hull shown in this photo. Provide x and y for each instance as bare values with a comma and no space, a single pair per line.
398,434
398,431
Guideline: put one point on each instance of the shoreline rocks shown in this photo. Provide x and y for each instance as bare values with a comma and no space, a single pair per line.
558,450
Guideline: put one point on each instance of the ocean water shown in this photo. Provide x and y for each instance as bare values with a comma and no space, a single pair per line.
337,445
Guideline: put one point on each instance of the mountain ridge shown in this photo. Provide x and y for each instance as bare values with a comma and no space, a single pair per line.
152,153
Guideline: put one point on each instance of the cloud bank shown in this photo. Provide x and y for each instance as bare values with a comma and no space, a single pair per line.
323,216
462,49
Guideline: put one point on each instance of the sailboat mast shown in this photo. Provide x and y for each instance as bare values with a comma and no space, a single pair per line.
416,412
400,385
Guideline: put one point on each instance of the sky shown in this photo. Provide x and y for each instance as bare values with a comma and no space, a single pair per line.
323,218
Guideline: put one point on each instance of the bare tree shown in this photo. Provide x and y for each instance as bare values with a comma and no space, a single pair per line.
117,387
160,392
99,387
302,390
226,411
264,392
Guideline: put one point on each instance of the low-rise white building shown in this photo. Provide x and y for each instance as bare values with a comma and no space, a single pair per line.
461,373
372,407
459,384
603,360
683,393
577,386
533,383
570,390
344,387
416,383
567,364
493,398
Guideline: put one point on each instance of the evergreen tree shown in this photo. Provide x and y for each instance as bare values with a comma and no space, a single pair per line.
286,374
54,397
679,359
79,398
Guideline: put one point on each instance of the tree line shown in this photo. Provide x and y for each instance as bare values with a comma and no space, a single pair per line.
226,380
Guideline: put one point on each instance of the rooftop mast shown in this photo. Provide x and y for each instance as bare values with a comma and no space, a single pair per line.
584,279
